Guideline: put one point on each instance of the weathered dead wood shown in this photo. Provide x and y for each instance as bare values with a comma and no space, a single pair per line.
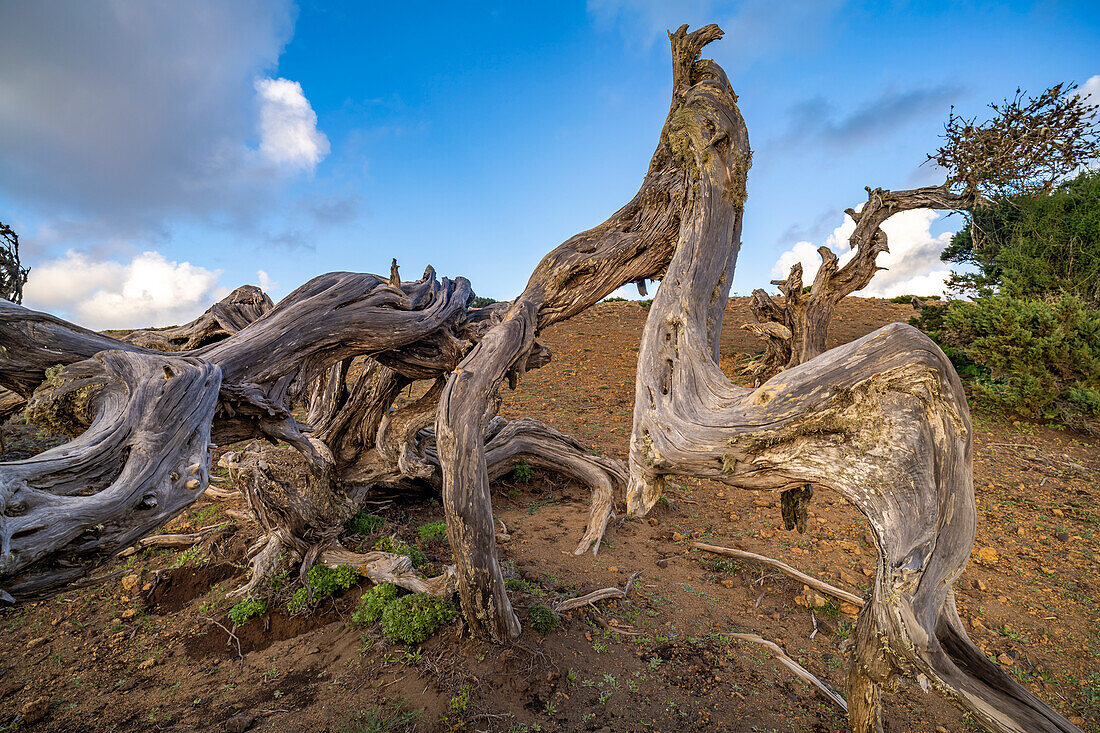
807,315
602,594
223,319
145,456
634,244
799,671
882,420
787,570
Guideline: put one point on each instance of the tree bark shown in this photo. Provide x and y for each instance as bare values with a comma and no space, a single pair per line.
807,315
634,244
882,420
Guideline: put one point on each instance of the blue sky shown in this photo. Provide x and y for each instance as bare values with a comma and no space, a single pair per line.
178,150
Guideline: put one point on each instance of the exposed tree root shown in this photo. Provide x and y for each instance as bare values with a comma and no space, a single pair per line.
830,590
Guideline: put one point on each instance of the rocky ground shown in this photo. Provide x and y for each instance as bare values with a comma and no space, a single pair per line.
149,647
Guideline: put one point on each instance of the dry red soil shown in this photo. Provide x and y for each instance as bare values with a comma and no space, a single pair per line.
141,649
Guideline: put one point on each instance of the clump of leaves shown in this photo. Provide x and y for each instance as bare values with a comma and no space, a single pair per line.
397,547
246,610
522,472
433,532
298,602
373,603
542,618
364,524
1029,144
325,581
413,618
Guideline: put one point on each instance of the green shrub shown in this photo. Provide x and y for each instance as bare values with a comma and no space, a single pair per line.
1040,358
298,602
324,581
364,524
413,618
433,532
480,302
522,473
373,603
246,610
397,547
542,618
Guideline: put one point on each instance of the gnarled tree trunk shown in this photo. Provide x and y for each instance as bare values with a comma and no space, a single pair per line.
806,315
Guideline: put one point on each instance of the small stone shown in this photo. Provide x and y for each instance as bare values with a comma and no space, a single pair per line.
1062,536
239,723
850,610
612,569
988,556
125,685
1046,570
129,613
766,534
734,518
35,710
662,563
847,578
726,582
849,546
129,582
1058,513
869,572
677,537
1077,720
147,587
35,643
148,663
941,729
761,503
653,522
1004,660
1020,531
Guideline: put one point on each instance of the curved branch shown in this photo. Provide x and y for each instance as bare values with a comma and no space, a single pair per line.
635,243
882,420
145,457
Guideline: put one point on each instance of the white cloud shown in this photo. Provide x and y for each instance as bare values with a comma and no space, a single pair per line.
266,283
1090,90
913,262
149,290
289,137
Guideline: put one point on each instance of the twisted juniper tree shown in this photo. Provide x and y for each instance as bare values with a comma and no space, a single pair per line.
1027,147
882,420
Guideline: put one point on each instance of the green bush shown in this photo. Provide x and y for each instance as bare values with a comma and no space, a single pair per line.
413,618
542,618
246,610
298,602
397,547
522,473
1040,358
364,524
479,302
324,581
433,532
373,603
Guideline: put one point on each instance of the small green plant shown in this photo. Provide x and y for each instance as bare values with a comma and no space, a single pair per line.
246,610
433,532
397,547
364,524
373,603
542,618
298,602
194,555
522,472
460,701
413,618
325,581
